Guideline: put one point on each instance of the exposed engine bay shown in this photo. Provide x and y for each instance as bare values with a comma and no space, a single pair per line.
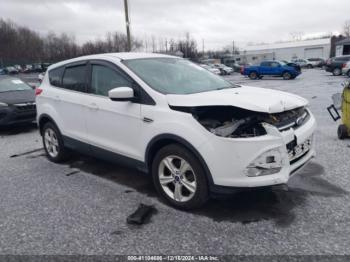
229,121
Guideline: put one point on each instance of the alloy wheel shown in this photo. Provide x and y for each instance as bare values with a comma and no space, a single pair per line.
51,142
177,178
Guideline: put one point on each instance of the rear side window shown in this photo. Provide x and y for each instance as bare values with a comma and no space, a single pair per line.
55,76
265,64
74,78
104,79
342,58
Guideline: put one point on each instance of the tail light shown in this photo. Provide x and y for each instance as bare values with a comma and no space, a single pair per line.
344,65
38,91
242,69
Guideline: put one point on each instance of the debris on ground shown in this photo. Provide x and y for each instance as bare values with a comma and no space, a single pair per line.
142,215
73,173
26,153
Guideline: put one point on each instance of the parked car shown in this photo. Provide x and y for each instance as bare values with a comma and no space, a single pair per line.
303,63
193,131
211,69
346,69
28,69
236,67
17,102
296,66
270,68
335,64
45,66
19,68
10,70
41,77
224,70
317,62
38,68
2,71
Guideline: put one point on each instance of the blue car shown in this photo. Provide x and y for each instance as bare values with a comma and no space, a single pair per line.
271,68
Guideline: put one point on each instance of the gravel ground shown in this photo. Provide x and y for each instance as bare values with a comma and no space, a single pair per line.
81,207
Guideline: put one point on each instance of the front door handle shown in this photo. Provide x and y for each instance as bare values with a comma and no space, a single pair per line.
93,106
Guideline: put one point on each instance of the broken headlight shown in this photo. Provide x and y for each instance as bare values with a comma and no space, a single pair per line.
268,163
246,127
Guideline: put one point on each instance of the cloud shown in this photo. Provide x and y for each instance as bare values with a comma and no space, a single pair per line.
217,22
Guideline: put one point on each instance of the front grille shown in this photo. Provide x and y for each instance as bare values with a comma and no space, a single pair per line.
289,119
25,107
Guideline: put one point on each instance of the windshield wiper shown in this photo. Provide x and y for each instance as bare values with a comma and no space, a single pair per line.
226,87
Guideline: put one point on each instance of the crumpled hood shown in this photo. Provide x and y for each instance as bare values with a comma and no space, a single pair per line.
246,97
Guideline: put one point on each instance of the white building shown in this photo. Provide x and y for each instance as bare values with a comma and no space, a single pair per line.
318,48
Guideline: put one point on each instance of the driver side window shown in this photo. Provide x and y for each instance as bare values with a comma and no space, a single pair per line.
104,79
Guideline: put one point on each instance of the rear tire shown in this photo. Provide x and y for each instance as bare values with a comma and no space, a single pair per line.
336,72
287,76
309,66
342,132
253,75
53,143
179,177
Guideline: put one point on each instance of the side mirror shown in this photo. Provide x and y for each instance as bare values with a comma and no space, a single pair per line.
121,94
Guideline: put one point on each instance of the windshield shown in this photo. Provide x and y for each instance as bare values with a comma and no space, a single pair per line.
176,76
13,84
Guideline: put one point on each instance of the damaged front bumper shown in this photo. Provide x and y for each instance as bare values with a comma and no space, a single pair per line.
259,161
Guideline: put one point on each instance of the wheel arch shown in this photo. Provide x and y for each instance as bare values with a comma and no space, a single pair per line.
166,139
43,119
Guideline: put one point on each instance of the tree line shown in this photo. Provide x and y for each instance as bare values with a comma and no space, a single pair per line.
21,45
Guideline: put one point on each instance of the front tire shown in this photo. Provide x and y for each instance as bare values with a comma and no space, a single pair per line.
179,177
253,75
336,72
287,76
53,143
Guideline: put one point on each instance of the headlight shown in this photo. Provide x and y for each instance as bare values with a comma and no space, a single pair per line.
3,105
268,163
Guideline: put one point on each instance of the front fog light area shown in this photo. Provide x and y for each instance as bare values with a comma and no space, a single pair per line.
267,163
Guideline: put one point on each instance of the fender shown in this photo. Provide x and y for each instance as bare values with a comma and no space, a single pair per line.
186,144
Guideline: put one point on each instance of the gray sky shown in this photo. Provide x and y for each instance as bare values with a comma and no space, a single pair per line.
218,22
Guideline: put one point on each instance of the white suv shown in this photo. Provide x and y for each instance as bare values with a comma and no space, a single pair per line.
192,130
346,69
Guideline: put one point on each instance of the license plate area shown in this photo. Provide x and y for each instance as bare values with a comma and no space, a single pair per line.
297,150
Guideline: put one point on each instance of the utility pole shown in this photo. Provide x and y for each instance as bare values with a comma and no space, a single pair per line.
203,46
127,24
233,47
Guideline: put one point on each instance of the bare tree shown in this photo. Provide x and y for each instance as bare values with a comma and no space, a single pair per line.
346,28
297,35
20,45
